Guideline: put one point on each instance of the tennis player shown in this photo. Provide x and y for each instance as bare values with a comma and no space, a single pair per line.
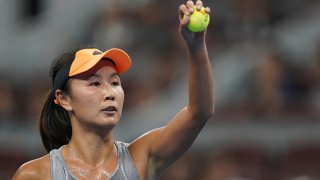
85,104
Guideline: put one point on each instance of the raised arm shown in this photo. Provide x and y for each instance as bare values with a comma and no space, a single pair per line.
164,145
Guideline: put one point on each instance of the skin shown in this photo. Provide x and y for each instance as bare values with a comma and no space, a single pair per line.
91,153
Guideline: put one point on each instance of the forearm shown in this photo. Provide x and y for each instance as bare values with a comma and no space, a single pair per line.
201,86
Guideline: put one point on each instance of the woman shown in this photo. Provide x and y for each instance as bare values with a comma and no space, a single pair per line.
85,104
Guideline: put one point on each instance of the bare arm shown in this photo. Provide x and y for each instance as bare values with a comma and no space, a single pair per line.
166,144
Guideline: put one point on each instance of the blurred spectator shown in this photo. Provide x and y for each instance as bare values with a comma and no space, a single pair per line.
301,160
250,19
113,28
8,100
219,167
243,162
269,79
34,95
188,167
314,71
139,88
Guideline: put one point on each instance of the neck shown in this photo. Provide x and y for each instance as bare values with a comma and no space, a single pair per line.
92,148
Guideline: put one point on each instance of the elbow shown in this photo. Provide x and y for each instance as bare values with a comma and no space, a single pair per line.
209,114
202,113
204,116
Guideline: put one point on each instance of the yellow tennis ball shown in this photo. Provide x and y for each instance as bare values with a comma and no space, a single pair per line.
199,20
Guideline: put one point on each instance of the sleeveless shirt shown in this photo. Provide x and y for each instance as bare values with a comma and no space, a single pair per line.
125,169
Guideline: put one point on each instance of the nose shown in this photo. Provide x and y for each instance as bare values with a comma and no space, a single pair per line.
110,97
109,94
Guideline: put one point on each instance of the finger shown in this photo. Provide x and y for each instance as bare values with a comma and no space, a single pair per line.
183,15
207,10
183,11
199,5
184,21
190,5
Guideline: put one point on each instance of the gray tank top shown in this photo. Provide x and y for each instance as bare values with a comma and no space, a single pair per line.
125,169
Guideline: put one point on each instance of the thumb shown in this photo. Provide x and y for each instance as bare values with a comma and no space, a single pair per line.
184,22
184,16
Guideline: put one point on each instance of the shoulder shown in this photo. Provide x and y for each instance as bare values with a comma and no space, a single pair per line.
140,151
35,169
142,143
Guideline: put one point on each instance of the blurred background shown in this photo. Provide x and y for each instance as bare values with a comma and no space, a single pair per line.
265,56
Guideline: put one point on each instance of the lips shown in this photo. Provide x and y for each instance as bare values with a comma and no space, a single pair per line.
110,109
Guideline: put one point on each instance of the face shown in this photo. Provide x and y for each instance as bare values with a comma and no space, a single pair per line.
96,96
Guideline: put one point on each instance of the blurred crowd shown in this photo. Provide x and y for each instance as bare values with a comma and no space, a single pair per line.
274,86
247,162
275,89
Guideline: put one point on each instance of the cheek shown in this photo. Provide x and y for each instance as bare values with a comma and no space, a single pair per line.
119,96
82,99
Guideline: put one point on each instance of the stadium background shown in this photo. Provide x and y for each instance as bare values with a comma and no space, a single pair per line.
265,56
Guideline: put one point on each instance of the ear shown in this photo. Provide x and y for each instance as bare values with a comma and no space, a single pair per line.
63,99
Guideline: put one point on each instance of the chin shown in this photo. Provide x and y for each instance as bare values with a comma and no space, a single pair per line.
108,121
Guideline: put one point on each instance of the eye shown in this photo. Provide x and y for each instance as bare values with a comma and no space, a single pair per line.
115,83
95,84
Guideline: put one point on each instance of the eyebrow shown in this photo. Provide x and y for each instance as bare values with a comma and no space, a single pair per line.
98,76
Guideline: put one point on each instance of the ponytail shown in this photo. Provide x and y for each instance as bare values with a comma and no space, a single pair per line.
54,124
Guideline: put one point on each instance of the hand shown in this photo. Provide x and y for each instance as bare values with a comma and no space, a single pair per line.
193,40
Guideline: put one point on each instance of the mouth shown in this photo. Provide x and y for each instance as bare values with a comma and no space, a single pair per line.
110,109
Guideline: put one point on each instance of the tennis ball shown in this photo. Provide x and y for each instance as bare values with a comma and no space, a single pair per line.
199,20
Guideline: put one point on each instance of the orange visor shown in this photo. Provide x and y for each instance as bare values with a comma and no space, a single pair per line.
85,59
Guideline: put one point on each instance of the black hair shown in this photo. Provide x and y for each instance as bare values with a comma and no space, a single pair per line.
54,122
